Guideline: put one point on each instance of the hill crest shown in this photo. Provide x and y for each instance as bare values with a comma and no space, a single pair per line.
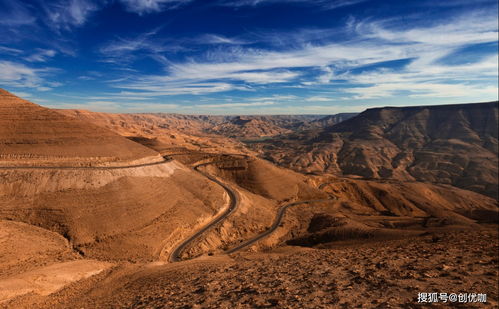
34,135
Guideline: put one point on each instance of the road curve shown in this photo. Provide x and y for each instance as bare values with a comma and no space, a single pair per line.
234,202
275,225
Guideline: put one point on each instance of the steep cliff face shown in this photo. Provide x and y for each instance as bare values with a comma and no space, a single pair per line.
451,144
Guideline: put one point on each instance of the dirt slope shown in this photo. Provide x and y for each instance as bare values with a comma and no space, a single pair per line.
33,133
128,214
265,179
24,247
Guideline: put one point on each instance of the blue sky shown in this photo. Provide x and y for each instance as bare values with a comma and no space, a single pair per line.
248,56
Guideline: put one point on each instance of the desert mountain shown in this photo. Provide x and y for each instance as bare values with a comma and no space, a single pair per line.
123,211
163,132
37,134
248,127
329,120
126,212
450,144
123,222
185,127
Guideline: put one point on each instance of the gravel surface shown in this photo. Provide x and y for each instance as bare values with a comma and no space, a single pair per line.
386,274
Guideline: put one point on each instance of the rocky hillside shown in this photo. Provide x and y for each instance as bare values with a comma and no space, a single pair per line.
31,134
238,127
451,144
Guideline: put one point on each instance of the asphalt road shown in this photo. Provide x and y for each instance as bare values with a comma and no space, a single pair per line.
275,225
234,202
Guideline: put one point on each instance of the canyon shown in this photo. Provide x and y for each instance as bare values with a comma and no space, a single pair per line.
193,211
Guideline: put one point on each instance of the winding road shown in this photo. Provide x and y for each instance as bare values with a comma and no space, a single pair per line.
234,201
175,255
275,225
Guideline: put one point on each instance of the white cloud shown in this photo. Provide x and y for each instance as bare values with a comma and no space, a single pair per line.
326,4
156,86
151,6
41,55
274,98
219,39
19,75
43,88
326,77
256,67
67,14
475,27
126,46
318,99
341,3
262,77
374,43
124,50
10,51
235,105
245,60
469,80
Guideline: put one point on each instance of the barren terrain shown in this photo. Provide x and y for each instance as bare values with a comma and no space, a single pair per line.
386,274
174,211
450,144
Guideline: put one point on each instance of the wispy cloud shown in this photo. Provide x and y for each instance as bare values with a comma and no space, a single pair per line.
152,87
331,5
64,15
374,43
233,105
425,75
142,7
125,50
41,55
274,98
472,28
327,4
318,99
10,51
19,75
91,75
470,80
211,38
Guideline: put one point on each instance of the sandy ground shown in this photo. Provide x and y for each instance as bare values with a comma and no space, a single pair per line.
47,280
386,274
